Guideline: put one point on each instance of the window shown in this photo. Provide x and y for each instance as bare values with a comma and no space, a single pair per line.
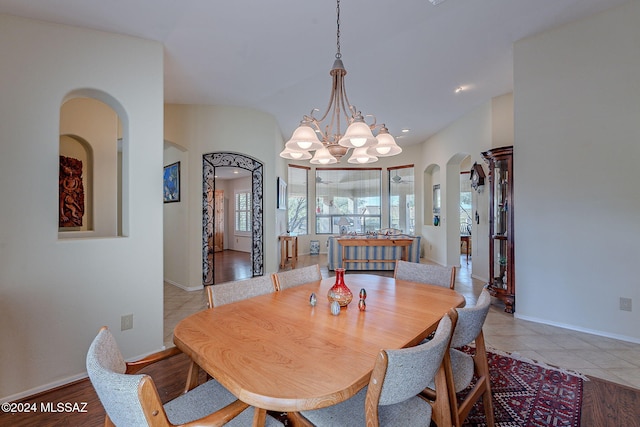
348,200
466,203
243,211
298,212
402,199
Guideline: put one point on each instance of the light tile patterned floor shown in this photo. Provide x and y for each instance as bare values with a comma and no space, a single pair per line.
601,357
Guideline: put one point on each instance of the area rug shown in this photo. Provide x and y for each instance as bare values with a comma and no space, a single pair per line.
529,394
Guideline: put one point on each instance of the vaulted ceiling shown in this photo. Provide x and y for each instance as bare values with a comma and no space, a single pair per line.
404,58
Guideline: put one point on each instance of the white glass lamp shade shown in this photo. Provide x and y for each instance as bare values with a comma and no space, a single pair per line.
361,157
323,157
358,135
304,138
287,153
386,145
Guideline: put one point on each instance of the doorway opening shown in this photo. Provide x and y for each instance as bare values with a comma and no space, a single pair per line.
210,162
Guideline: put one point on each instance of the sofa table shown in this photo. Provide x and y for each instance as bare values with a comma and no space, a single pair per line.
379,241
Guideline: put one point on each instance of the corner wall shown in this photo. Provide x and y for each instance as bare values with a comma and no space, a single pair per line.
203,129
55,294
577,109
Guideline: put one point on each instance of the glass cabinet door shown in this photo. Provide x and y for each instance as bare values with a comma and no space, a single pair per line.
501,260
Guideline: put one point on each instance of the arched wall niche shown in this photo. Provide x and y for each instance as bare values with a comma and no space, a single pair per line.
228,159
100,120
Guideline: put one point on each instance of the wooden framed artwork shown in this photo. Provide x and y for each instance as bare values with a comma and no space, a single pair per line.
282,194
171,183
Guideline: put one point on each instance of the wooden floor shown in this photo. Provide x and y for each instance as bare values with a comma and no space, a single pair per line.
605,404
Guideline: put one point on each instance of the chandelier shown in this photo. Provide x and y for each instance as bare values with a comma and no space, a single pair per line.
333,144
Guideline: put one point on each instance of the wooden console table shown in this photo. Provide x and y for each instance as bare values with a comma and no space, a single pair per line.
382,241
285,239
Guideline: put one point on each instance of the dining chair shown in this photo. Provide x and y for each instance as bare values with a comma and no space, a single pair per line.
228,292
131,399
287,279
461,367
392,397
425,273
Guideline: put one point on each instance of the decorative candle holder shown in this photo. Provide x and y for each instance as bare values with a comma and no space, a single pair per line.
339,291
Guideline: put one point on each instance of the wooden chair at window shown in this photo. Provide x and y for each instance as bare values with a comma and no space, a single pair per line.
425,273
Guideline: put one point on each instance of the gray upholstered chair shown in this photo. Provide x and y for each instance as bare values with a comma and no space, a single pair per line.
228,292
392,397
133,400
460,367
298,276
425,273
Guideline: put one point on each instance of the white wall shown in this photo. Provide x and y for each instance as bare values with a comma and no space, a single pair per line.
55,294
577,147
203,129
176,220
470,135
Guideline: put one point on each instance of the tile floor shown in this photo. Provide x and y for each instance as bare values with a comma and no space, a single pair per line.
606,358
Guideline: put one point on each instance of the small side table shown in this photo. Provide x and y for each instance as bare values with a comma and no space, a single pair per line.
285,255
466,239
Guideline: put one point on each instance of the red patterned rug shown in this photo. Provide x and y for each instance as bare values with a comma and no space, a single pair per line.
529,395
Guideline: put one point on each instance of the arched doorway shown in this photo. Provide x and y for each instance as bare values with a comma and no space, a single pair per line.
209,163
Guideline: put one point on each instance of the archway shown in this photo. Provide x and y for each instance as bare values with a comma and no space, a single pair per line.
209,163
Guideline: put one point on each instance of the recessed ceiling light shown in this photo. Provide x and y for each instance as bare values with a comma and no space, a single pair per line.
458,89
405,130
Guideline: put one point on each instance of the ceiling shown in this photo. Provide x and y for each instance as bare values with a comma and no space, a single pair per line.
404,58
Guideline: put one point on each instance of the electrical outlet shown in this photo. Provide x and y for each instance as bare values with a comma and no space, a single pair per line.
625,304
126,322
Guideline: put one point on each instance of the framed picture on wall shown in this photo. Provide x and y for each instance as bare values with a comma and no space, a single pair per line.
282,194
171,183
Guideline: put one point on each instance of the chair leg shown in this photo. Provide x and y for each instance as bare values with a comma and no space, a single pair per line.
192,376
482,364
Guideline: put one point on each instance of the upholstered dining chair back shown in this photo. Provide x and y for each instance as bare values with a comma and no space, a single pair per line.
298,276
392,395
460,366
228,292
117,392
132,399
426,273
471,320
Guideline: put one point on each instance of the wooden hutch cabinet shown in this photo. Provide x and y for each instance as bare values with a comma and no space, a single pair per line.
501,237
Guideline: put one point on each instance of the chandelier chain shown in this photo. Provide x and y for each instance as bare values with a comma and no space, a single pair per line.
338,54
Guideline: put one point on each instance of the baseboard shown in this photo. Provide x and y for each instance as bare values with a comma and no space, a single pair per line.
43,388
578,328
185,288
482,279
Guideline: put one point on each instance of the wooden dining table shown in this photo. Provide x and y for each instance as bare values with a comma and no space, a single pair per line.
278,352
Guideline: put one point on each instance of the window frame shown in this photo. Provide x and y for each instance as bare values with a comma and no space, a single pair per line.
245,212
329,223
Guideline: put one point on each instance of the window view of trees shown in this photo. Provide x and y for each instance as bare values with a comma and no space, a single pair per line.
466,203
402,199
297,193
